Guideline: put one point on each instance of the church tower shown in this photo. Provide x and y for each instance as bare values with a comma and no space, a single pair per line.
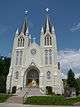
49,57
22,41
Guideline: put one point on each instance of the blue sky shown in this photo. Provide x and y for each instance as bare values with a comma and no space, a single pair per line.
65,15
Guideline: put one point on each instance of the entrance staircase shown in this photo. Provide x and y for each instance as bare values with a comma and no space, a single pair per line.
19,96
35,92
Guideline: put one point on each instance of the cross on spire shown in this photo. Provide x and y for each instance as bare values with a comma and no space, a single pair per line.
47,9
53,10
26,12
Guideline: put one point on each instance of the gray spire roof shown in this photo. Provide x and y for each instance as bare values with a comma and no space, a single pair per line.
47,25
17,32
25,26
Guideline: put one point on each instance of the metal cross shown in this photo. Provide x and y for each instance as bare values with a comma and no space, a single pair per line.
47,9
26,12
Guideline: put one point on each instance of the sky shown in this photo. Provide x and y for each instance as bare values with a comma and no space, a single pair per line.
64,14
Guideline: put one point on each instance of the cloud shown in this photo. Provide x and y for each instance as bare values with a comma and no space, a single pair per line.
70,59
75,27
63,76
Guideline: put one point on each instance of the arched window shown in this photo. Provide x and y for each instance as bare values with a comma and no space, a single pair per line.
16,75
21,54
46,56
59,65
48,40
48,74
14,89
45,41
18,42
48,90
17,57
21,42
50,56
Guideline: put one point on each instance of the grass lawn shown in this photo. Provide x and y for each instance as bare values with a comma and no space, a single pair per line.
51,100
4,97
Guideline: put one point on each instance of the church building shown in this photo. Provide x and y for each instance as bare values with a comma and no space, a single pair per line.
34,65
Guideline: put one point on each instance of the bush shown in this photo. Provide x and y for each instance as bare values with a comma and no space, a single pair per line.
44,100
4,97
49,90
51,100
14,89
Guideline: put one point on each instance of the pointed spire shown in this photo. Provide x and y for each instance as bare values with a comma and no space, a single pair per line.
27,32
53,29
17,32
47,24
30,36
29,40
42,30
25,27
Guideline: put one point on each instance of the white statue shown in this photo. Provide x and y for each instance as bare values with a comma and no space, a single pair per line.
33,83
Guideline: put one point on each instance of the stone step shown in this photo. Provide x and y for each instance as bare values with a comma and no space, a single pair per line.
20,94
34,92
15,99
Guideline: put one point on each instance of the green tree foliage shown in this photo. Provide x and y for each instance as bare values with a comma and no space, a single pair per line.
78,86
4,69
72,82
71,79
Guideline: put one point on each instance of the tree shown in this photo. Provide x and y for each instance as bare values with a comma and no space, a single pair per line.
4,69
71,79
77,86
72,82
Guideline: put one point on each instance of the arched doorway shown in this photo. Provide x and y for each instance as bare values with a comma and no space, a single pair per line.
32,77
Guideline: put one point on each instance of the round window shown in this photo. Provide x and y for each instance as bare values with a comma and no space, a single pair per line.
33,51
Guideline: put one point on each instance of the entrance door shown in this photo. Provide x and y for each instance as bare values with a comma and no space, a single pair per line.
32,78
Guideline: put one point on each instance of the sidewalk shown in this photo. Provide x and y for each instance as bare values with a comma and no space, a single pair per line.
21,105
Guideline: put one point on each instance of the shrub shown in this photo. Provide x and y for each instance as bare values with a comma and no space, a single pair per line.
51,100
14,89
4,97
49,90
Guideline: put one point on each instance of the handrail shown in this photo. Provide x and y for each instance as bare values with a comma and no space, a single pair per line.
25,95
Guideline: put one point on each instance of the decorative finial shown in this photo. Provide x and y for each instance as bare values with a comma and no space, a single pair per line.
34,40
17,32
47,9
27,31
42,30
30,36
52,28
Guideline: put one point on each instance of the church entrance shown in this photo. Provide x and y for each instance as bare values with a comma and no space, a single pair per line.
32,77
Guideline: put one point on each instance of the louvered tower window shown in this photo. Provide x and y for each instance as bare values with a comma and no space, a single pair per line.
21,53
46,56
48,40
50,56
17,57
21,42
16,75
